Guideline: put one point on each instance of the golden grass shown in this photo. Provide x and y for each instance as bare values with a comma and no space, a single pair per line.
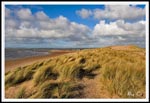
123,78
21,93
122,73
21,74
44,73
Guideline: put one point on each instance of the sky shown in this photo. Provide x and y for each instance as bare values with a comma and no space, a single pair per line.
74,26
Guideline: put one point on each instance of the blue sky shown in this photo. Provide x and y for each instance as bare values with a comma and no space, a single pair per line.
74,25
68,11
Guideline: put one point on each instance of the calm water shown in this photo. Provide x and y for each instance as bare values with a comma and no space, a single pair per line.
20,53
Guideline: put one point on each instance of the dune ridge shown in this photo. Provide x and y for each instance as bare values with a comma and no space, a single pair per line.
108,72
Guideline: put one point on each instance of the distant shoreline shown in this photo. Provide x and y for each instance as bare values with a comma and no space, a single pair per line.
12,64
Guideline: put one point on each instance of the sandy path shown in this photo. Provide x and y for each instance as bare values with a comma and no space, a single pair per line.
94,88
11,64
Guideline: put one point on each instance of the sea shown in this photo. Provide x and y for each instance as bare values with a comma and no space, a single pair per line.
15,53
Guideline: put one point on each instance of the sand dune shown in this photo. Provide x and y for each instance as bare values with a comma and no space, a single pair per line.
109,72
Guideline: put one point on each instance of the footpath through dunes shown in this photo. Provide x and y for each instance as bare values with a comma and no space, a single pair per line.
11,64
90,73
93,88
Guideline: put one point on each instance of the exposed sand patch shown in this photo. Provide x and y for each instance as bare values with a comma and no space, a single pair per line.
126,47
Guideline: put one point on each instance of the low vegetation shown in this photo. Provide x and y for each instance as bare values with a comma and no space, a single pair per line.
21,93
122,73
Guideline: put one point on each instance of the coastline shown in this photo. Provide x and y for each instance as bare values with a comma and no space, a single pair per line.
11,64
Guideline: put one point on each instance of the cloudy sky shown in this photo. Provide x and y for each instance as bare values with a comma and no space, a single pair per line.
74,26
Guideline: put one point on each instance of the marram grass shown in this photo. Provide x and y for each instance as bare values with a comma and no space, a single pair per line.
122,73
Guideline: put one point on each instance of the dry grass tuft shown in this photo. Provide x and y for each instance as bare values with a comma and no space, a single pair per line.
122,73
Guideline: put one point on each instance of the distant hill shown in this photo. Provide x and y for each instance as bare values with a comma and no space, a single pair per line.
109,72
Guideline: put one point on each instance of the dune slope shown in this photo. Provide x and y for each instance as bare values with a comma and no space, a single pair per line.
110,72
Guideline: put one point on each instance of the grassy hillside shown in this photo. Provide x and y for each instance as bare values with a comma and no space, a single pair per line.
120,70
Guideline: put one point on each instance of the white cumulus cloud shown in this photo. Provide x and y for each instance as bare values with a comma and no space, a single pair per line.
24,14
84,13
114,12
119,27
39,25
7,12
119,12
41,16
24,27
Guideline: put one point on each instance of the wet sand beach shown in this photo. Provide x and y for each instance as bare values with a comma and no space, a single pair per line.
11,64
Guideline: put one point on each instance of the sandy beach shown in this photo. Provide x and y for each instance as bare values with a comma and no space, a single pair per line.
11,64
